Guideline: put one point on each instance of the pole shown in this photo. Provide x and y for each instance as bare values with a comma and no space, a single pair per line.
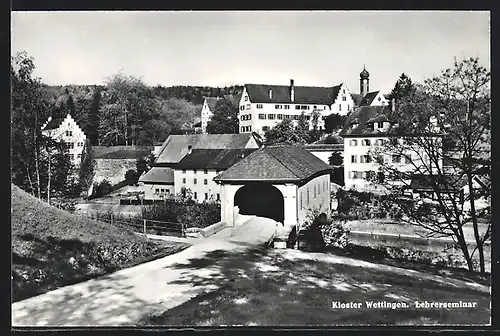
144,221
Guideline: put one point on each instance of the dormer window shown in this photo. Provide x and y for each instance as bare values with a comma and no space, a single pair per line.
246,98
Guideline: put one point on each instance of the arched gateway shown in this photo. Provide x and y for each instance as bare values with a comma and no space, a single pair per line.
278,182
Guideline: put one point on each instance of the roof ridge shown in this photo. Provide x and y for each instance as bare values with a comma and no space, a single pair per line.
281,162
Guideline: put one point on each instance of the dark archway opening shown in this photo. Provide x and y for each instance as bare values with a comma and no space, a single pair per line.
260,199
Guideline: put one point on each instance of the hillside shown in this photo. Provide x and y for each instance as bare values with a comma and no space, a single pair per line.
53,248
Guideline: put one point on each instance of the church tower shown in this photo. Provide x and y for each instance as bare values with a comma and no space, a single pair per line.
364,82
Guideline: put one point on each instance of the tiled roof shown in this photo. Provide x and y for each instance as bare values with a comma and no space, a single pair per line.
275,163
163,175
324,147
259,93
368,98
54,124
362,115
211,101
213,158
176,146
425,182
121,152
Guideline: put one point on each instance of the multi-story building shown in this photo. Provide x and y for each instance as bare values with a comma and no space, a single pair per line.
196,171
159,181
375,98
66,130
366,133
262,106
207,111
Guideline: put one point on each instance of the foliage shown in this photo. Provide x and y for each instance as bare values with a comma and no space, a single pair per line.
336,159
334,122
332,231
403,89
285,133
183,209
457,104
131,177
333,139
224,119
357,205
87,166
101,189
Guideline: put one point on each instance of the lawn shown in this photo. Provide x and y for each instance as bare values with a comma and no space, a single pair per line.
297,288
53,248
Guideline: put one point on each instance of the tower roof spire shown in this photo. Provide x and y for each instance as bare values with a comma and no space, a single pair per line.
364,74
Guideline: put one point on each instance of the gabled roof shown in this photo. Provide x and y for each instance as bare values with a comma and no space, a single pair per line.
162,175
275,163
426,182
259,93
211,102
362,115
368,98
213,158
53,124
177,146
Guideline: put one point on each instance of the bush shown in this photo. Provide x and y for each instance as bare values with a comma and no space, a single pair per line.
183,210
357,205
101,189
332,231
131,177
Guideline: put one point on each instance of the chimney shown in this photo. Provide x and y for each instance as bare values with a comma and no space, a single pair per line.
292,91
393,104
270,94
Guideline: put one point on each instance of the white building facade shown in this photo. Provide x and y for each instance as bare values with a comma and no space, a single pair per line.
66,130
199,181
263,106
207,111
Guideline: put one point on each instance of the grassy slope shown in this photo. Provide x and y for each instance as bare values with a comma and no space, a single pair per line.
44,238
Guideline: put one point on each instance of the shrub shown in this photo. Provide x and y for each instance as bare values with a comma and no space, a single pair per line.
332,230
131,177
101,189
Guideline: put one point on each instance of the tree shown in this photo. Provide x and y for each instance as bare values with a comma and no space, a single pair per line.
225,118
284,133
93,118
334,122
336,159
29,112
403,88
443,132
131,177
87,166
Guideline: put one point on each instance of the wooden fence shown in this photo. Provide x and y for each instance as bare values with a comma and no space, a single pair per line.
142,225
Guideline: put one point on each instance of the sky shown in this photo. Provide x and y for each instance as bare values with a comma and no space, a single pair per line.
315,48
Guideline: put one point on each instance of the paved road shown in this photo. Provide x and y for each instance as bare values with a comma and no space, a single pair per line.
124,297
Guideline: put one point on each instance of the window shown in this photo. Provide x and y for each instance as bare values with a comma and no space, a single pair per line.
242,117
296,117
69,133
218,197
353,158
365,142
365,159
249,106
380,125
287,107
265,128
249,117
356,175
246,98
242,107
262,116
242,129
259,106
396,159
280,116
184,180
278,106
271,116
354,142
157,191
348,107
205,171
184,171
307,195
314,191
344,98
206,196
287,116
249,128
370,175
205,181
297,107
79,156
340,107
195,180
301,205
194,171
195,195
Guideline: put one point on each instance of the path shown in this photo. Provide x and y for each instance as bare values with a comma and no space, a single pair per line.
124,297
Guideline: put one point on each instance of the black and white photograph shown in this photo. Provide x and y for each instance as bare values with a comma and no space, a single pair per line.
248,168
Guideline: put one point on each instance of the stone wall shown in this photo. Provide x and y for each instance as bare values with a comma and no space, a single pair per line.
112,170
